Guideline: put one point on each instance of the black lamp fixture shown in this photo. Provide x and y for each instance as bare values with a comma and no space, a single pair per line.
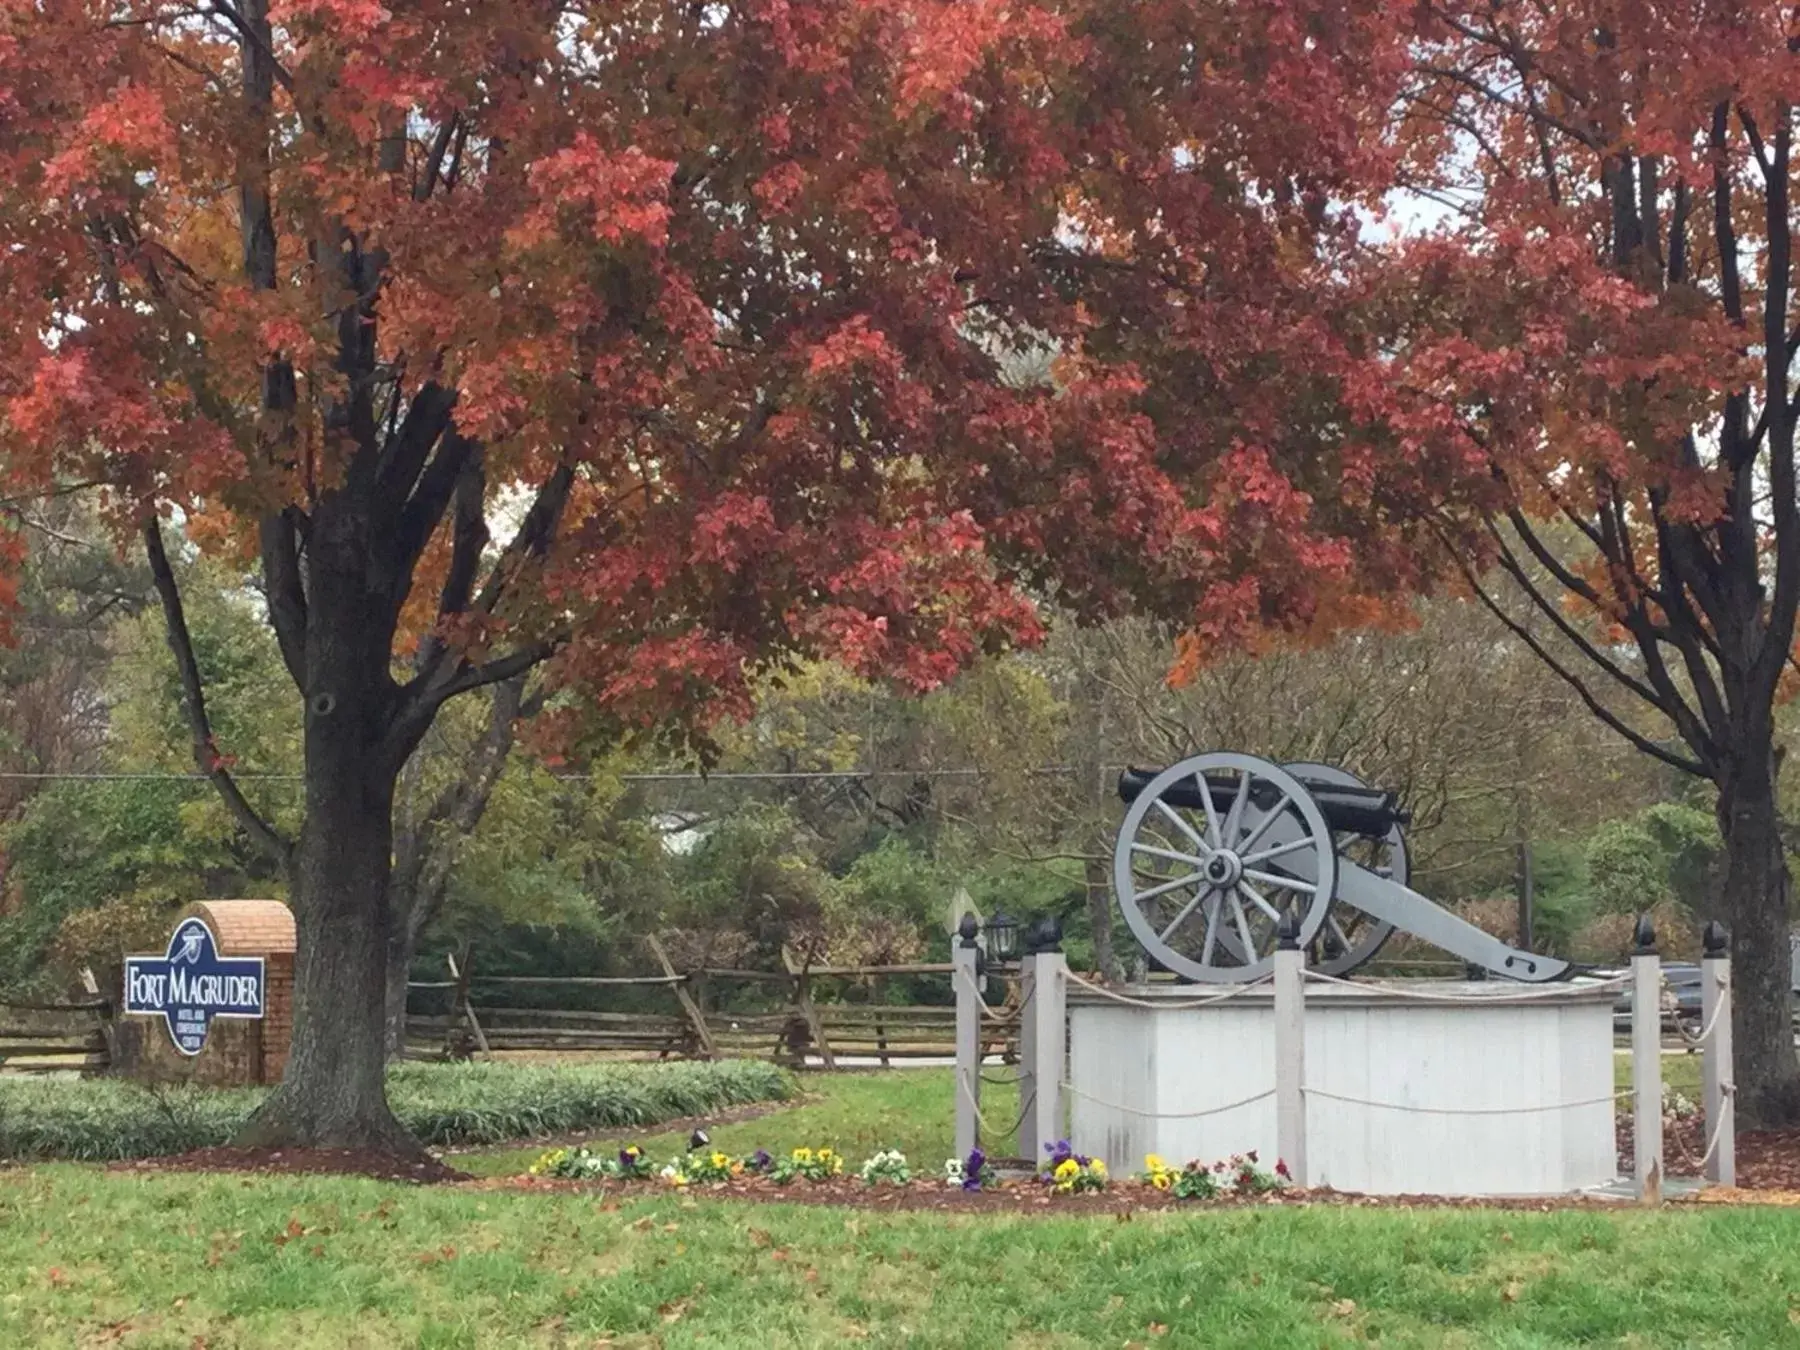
1002,936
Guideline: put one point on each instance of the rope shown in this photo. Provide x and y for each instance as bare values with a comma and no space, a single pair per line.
1727,1109
988,1130
1468,1110
1003,1082
1700,1037
1100,989
975,989
1166,1115
1471,1000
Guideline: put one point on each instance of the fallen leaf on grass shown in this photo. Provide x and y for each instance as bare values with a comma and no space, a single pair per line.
1343,1307
1510,1293
760,1237
1157,1329
674,1310
56,1277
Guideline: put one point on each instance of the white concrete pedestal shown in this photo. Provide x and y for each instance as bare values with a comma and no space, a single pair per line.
1366,1042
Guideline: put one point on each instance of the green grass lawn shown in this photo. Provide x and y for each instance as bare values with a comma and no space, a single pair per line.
1680,1072
90,1258
855,1113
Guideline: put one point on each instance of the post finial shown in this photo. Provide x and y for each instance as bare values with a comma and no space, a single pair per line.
1714,941
968,927
1287,933
1645,935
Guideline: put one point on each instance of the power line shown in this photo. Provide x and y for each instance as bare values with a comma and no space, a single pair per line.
663,776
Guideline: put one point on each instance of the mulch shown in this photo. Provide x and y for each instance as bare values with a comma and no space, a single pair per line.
1768,1166
301,1161
1121,1200
1767,1160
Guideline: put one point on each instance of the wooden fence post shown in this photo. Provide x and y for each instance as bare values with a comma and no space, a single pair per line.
702,1033
461,998
878,997
1290,1051
104,1014
1646,1065
1716,1075
803,1004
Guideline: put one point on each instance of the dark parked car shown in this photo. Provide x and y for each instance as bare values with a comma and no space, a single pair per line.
1682,981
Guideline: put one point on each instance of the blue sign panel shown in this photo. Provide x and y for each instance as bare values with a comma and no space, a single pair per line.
191,984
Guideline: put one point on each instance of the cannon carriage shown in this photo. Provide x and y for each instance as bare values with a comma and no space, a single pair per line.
1214,851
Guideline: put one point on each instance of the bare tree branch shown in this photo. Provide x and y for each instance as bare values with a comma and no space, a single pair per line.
206,752
284,591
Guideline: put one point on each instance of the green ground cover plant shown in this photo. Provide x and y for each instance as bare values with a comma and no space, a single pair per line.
443,1104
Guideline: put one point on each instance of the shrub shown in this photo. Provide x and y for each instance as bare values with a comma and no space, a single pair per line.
111,1119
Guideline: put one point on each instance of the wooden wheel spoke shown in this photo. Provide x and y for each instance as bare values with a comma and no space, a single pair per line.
1213,906
1286,883
1171,854
1257,899
1187,909
1262,826
1243,927
1167,886
1212,812
1278,851
1181,824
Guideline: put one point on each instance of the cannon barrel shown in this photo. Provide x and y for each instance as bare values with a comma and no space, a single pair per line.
1347,810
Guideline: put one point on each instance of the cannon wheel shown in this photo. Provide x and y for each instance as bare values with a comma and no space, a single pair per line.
1201,888
1350,938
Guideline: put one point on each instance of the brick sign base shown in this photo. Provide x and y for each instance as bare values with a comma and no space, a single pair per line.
237,1052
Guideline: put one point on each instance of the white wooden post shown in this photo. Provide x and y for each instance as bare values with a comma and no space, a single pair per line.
1043,1050
1290,1051
1716,1079
968,1047
1646,1064
1046,1019
1024,1146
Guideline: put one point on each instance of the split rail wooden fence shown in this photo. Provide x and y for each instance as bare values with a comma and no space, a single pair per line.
819,1015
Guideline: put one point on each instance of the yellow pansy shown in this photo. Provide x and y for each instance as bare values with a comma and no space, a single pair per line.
1153,1163
1066,1169
1097,1167
824,1154
1163,1180
720,1160
803,1155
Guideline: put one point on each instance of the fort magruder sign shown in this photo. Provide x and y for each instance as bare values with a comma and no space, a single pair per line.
191,984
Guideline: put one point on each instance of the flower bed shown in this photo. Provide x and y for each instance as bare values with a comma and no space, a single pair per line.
1065,1174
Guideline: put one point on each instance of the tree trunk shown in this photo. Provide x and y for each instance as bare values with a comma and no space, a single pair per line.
1100,913
1756,903
334,1093
400,949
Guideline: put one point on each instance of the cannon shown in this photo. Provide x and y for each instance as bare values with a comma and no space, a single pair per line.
1216,850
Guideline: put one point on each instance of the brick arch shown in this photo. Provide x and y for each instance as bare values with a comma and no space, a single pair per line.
247,927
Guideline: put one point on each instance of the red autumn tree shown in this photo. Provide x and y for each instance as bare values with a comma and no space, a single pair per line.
1606,328
652,344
